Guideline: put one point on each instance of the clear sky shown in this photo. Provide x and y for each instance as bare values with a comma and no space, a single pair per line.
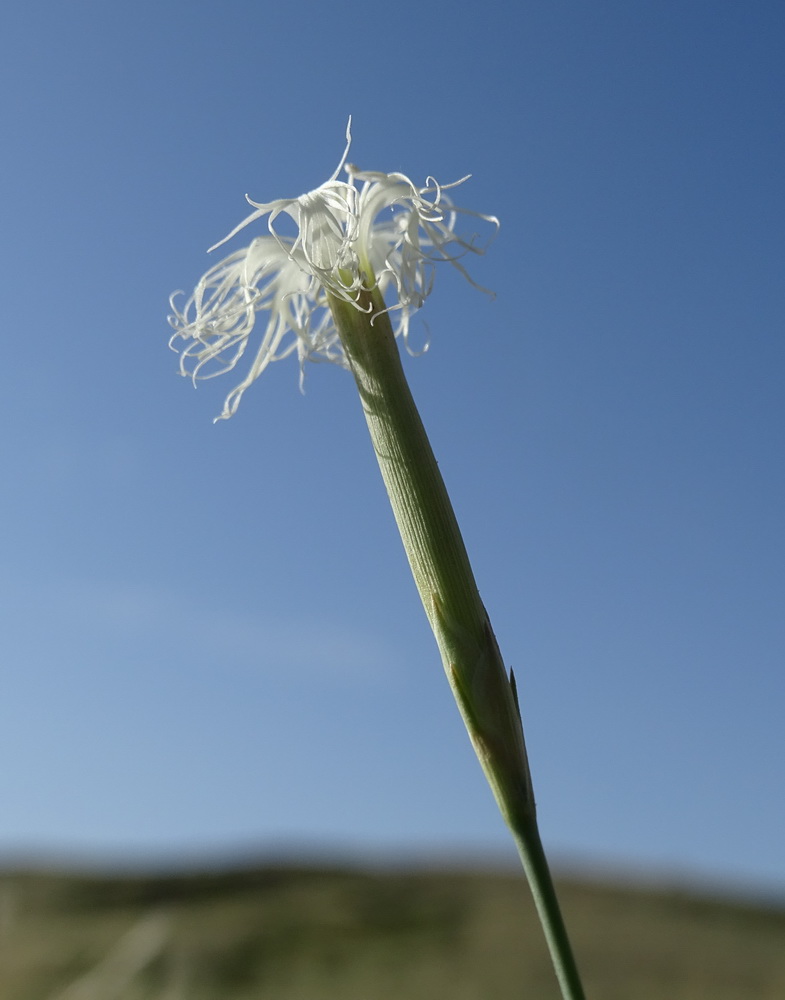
210,639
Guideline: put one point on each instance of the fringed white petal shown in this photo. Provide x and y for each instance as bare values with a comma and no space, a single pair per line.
387,233
213,328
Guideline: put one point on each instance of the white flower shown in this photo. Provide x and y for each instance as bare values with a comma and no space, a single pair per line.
371,230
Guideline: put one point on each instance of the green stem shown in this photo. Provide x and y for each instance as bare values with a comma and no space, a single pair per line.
535,864
440,565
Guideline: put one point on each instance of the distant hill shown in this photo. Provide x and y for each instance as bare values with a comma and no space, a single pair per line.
283,932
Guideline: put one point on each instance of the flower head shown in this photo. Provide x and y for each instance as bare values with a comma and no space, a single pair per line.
370,231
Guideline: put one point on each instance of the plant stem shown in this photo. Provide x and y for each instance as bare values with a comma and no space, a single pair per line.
437,556
535,864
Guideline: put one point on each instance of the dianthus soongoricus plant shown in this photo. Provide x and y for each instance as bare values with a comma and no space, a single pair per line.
357,261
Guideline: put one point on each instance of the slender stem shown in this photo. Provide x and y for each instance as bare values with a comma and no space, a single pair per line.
486,696
535,864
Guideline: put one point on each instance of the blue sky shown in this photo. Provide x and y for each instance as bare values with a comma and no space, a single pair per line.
210,636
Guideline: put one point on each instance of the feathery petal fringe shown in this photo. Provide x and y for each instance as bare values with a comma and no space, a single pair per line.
386,233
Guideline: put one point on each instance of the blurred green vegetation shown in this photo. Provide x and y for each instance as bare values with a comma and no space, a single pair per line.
317,933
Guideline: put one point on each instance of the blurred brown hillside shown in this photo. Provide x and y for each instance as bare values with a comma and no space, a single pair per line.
288,933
